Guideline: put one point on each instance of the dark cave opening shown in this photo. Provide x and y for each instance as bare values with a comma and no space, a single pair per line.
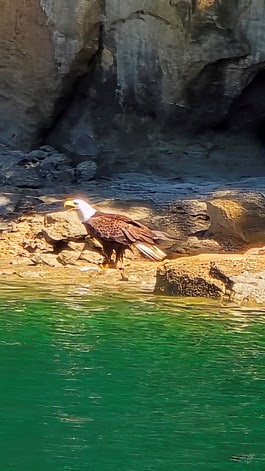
82,70
247,113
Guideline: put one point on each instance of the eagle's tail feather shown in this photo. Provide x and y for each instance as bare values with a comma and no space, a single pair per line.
151,252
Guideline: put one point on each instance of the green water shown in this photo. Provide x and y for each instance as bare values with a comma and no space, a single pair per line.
118,383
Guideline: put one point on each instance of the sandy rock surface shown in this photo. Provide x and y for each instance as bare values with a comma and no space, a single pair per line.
232,277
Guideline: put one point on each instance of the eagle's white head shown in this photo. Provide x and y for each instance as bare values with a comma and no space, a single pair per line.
84,209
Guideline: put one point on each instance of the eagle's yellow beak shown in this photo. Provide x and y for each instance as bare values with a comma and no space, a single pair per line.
70,204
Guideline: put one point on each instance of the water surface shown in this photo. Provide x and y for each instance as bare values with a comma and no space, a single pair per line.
129,383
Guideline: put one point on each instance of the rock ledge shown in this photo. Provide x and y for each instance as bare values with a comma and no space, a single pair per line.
231,277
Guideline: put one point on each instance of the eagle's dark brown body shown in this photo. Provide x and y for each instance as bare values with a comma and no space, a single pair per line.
117,233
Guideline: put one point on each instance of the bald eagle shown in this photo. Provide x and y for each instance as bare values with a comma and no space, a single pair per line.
116,233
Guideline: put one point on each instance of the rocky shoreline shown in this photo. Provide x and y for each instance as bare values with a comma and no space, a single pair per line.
227,277
215,228
237,279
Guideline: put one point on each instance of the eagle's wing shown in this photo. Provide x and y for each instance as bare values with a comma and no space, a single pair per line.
118,228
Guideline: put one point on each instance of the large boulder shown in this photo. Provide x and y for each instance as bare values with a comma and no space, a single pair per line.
249,288
231,277
56,168
23,178
85,171
62,226
9,158
238,218
54,162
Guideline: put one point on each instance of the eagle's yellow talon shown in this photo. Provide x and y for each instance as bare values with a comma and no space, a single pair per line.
108,265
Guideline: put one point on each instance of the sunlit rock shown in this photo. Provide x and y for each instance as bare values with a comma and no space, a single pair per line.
63,226
240,218
230,277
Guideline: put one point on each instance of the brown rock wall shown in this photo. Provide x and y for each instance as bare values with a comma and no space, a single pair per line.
39,43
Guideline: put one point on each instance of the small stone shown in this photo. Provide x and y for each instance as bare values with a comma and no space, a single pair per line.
8,271
92,243
17,153
37,154
5,228
48,149
91,257
38,245
194,246
9,160
49,259
255,251
65,176
29,274
55,162
14,228
132,255
91,268
27,205
68,257
85,171
77,246
22,261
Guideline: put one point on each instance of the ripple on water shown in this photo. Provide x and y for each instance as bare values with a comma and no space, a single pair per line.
129,382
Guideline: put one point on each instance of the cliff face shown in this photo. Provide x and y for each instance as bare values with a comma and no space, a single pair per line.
89,76
40,43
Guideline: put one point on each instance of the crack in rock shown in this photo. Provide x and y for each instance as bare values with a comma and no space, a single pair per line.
139,15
